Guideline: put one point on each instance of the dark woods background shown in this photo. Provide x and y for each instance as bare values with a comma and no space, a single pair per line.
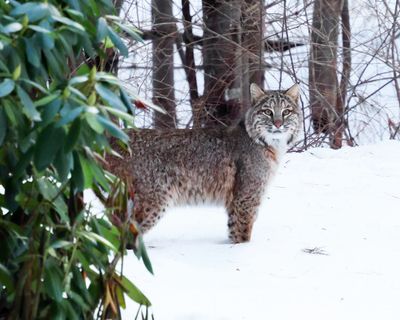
199,57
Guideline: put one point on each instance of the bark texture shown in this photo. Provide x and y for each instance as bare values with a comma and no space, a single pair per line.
163,63
326,96
232,58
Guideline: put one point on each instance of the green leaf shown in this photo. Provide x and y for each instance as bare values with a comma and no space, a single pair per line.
6,278
121,115
29,108
78,79
12,115
102,29
107,77
79,301
126,100
87,45
109,233
145,257
39,29
83,70
12,27
77,173
133,292
70,116
133,32
75,25
54,68
108,43
16,73
50,140
32,52
95,6
6,87
77,93
53,281
120,297
48,189
63,163
47,99
68,49
47,43
2,65
76,14
100,178
87,172
50,110
73,136
113,17
35,85
70,311
79,285
34,10
97,238
27,141
117,41
109,97
113,129
93,122
3,125
61,244
23,164
51,193
83,259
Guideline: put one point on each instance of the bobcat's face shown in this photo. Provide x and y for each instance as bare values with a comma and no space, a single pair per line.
274,118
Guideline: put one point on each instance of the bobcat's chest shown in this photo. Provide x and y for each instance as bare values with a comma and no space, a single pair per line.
273,157
271,154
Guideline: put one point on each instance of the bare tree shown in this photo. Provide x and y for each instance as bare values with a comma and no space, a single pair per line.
164,30
327,96
232,55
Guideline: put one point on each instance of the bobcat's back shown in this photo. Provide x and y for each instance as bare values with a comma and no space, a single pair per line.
188,166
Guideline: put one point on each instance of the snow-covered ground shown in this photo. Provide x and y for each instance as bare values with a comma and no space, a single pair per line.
326,245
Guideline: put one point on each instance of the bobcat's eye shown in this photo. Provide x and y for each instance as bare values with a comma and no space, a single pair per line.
268,113
286,112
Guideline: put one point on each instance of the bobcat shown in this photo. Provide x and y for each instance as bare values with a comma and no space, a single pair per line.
231,165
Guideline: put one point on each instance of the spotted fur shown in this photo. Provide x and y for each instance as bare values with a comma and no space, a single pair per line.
229,166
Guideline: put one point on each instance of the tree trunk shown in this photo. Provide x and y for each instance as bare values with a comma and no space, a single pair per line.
344,81
253,39
163,63
232,55
326,96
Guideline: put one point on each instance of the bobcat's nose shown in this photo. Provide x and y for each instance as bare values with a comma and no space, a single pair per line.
278,123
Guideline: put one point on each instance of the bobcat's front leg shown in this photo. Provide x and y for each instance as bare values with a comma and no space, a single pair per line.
240,224
243,206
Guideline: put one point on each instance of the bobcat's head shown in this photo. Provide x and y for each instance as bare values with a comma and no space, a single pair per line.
275,117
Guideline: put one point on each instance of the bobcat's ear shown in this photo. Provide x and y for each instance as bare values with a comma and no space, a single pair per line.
293,92
256,92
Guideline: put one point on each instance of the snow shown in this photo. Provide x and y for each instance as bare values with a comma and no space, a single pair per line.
325,246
